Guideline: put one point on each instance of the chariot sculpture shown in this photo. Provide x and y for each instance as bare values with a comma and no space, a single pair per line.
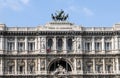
59,16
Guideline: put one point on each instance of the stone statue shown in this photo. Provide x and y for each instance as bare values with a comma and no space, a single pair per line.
59,16
60,70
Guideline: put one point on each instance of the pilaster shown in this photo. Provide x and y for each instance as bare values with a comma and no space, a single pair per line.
93,44
16,44
65,45
81,44
116,44
26,44
15,66
1,71
114,65
93,65
113,45
103,44
104,65
39,43
36,44
6,46
81,65
38,66
25,66
54,44
2,45
117,65
75,63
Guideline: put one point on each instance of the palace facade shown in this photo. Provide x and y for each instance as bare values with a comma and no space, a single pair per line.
59,49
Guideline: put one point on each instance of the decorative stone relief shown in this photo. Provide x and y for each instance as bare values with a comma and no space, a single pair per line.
21,62
78,64
98,38
10,38
43,44
42,64
31,38
60,70
21,38
108,38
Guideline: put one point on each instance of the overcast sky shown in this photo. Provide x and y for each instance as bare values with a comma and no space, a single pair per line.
90,13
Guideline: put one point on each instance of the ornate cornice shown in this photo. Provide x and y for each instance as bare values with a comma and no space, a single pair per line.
37,33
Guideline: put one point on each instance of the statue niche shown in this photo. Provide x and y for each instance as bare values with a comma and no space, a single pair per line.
59,16
60,70
59,67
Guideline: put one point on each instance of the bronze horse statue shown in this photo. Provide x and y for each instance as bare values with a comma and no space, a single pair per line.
59,16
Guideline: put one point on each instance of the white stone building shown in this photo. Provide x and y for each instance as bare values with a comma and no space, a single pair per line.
59,49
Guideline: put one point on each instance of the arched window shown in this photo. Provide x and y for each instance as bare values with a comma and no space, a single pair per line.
60,44
69,44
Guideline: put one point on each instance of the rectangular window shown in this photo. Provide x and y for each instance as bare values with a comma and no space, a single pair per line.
98,46
21,46
88,46
10,46
31,46
108,46
21,69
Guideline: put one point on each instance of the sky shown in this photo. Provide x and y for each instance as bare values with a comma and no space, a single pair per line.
88,13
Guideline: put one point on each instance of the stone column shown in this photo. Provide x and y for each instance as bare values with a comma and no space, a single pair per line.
25,66
116,43
54,44
39,43
117,65
113,65
2,44
16,44
1,66
6,46
26,44
93,65
103,44
65,45
45,66
81,45
82,65
38,66
36,44
93,44
104,65
75,63
112,44
15,66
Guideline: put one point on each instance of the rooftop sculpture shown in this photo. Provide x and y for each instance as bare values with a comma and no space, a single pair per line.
59,16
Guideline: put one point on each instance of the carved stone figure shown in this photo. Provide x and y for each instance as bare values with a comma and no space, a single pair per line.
42,43
60,70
